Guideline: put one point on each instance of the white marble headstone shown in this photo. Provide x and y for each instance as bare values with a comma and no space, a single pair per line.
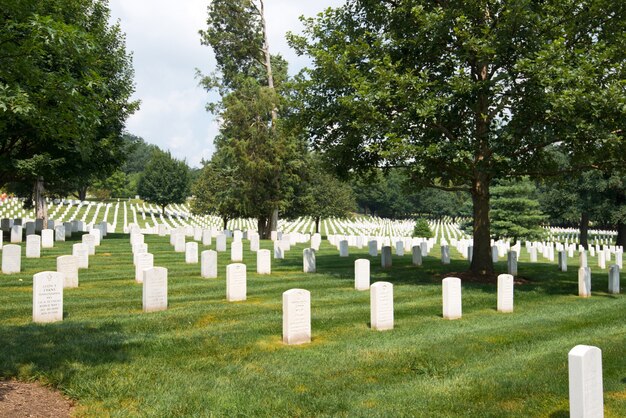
155,289
343,248
381,304
236,282
220,243
90,242
451,289
208,264
143,261
417,255
47,297
385,259
68,266
47,238
263,262
278,251
179,243
206,237
11,259
296,316
59,233
82,253
584,282
372,248
308,260
33,246
236,250
585,382
614,284
191,252
362,274
505,293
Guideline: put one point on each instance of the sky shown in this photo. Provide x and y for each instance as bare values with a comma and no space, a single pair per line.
163,37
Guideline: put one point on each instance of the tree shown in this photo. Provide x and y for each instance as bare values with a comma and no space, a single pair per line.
164,181
422,229
250,82
515,211
66,82
217,191
320,194
465,93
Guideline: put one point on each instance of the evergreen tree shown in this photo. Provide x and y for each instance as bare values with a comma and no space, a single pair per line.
164,181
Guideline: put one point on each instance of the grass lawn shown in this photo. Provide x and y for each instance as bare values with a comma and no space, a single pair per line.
208,357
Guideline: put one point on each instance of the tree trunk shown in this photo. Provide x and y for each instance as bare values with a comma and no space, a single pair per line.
317,224
82,193
584,230
163,210
268,60
482,263
41,206
274,220
225,222
263,226
621,234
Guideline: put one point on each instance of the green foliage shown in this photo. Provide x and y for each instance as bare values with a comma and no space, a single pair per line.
65,87
164,181
422,229
465,93
516,212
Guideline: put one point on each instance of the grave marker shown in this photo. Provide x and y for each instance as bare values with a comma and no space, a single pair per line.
11,259
385,259
220,243
451,288
47,238
68,266
308,260
362,274
47,297
505,293
191,252
584,282
16,234
417,255
208,264
585,382
381,306
445,254
154,289
235,282
343,248
263,262
236,250
614,279
296,316
143,261
33,246
82,254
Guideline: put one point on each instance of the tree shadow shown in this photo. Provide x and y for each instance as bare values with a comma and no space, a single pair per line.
55,349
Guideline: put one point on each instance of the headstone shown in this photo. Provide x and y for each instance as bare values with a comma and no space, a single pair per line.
47,238
385,259
68,229
533,254
583,258
505,293
470,253
235,282
206,237
585,382
11,259
601,260
494,253
273,235
90,241
59,233
451,287
154,289
236,250
16,234
343,248
424,246
30,228
417,255
38,225
296,316
179,243
400,248
6,224
362,274
68,266
562,261
584,282
445,254
308,260
372,247
197,234
381,306
138,238
619,255
263,262
33,246
208,264
104,229
254,243
316,241
220,243
81,251
96,236
162,229
143,261
237,235
139,248
278,251
47,297
614,279
511,263
191,252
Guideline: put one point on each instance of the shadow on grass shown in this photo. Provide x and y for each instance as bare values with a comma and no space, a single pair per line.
58,350
541,277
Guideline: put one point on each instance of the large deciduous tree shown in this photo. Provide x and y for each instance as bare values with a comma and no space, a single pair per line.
65,87
465,92
252,141
164,181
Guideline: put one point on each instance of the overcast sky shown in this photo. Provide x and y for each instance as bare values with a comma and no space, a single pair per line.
163,38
